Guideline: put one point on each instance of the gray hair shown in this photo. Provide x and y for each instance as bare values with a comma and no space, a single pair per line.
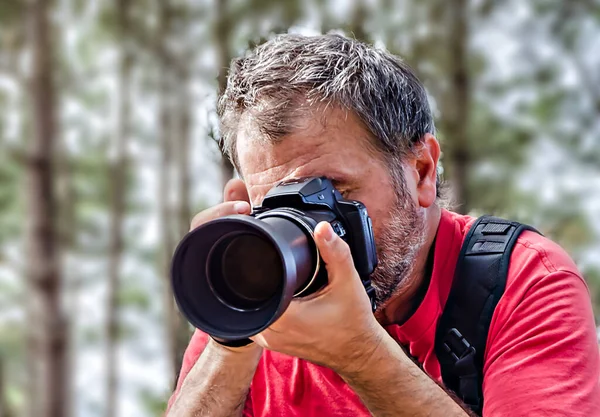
273,82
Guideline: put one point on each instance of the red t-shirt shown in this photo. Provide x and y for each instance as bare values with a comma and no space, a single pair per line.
541,359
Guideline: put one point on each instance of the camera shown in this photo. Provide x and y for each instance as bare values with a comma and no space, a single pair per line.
234,276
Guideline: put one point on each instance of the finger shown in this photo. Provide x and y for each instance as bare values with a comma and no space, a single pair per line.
335,252
235,190
220,210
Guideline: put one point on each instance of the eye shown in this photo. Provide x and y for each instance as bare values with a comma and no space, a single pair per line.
344,190
342,186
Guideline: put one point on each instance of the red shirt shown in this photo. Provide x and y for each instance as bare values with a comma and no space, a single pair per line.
541,359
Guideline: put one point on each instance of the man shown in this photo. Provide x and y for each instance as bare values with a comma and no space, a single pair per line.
331,106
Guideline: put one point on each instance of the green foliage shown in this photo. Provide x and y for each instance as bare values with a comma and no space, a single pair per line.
13,358
592,277
154,405
10,201
12,13
133,297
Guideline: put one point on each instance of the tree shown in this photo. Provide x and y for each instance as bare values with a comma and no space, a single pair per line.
184,213
47,330
456,102
4,409
176,327
223,28
118,168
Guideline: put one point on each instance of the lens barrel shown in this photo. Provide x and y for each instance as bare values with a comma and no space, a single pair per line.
234,276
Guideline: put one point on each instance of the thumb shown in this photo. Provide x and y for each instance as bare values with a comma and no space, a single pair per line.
235,190
335,252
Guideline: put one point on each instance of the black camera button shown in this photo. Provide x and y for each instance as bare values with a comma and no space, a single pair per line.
338,228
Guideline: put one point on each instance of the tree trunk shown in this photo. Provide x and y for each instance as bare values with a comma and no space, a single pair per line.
47,331
4,411
360,13
183,153
222,41
118,167
165,116
184,184
457,101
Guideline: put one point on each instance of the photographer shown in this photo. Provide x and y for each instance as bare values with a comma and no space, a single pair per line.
328,106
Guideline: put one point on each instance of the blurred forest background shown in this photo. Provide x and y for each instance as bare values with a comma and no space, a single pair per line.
108,145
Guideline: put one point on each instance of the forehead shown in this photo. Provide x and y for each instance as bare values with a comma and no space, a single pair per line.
335,145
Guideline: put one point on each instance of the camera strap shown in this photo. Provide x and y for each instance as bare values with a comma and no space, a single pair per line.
478,284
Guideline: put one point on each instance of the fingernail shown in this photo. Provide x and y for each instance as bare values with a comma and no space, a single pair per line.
327,233
241,207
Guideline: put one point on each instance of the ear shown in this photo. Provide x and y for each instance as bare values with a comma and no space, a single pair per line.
426,162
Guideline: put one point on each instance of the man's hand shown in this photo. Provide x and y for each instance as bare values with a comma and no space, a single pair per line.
235,201
334,327
218,383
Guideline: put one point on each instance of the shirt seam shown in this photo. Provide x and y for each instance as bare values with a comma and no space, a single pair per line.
543,255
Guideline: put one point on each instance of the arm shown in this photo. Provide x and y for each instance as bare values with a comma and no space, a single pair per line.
389,383
218,383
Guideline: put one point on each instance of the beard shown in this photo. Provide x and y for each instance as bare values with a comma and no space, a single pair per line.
399,242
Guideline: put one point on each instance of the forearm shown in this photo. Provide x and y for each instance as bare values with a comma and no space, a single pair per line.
218,383
389,383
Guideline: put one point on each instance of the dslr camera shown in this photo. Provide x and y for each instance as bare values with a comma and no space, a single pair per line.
234,276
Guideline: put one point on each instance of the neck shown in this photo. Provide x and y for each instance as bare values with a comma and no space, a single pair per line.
406,300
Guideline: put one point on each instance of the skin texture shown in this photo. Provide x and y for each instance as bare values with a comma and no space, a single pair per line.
389,383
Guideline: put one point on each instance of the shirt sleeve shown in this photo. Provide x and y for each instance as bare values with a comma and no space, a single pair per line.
542,357
192,353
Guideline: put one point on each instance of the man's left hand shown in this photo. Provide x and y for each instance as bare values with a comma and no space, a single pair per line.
334,327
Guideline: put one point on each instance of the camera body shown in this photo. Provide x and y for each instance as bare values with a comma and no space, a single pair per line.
308,201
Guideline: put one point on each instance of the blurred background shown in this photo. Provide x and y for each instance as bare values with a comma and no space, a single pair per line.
108,146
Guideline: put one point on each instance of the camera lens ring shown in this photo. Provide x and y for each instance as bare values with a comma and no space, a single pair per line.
290,214
254,321
218,293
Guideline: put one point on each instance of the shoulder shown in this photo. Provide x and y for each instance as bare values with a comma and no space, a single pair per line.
543,287
537,262
534,259
542,352
535,247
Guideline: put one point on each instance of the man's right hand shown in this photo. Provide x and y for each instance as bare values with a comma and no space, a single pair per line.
235,201
218,383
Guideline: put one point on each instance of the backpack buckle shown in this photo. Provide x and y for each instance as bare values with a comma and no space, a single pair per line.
457,346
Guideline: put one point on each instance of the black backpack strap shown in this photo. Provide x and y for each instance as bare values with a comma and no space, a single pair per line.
479,282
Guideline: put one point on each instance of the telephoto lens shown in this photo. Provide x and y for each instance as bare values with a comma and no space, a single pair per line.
234,276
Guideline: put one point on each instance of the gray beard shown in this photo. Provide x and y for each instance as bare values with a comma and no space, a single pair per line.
398,245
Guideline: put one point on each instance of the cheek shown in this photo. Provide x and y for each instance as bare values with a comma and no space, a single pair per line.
379,206
377,193
380,221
